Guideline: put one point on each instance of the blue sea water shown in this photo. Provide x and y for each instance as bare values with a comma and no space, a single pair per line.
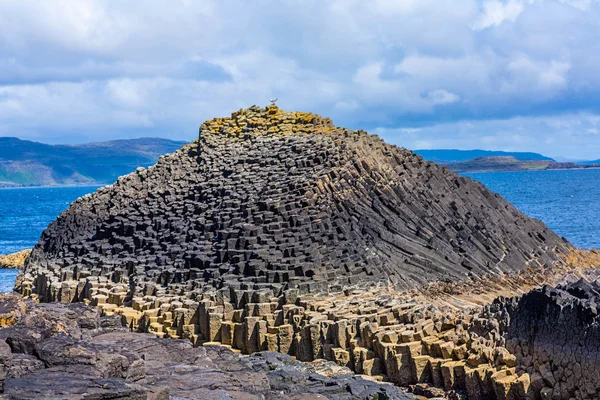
567,201
25,213
7,279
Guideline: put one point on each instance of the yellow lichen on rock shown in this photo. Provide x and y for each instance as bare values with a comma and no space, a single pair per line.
12,309
270,120
14,260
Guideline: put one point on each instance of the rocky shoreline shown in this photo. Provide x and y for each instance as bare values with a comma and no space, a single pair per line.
310,248
69,351
14,260
539,345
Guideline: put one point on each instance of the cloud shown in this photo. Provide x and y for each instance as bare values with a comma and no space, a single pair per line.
583,5
544,75
558,136
441,96
496,12
346,105
98,69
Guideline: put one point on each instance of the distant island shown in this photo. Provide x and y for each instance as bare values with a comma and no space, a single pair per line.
591,162
452,156
27,163
495,161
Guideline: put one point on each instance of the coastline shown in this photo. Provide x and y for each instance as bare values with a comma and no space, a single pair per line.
14,260
523,170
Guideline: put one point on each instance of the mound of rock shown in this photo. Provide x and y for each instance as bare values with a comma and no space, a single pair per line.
14,260
70,352
554,334
277,200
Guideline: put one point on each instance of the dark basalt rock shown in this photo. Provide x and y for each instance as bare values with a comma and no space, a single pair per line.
278,200
554,332
89,363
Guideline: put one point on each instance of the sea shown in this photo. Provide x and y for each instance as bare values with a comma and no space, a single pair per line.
25,213
568,201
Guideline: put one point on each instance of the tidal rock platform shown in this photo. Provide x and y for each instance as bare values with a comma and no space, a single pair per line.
14,260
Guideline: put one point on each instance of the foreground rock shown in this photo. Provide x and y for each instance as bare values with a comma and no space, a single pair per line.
14,260
554,334
70,352
273,200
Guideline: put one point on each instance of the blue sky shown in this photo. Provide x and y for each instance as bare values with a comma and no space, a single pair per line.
520,75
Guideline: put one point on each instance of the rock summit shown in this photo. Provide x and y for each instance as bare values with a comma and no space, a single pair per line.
274,200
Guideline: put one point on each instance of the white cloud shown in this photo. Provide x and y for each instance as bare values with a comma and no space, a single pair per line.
96,69
124,93
557,135
346,105
545,76
495,12
441,96
583,5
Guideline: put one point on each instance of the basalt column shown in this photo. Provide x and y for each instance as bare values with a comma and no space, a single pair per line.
269,201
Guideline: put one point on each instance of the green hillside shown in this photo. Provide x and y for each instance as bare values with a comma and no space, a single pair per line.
508,164
26,163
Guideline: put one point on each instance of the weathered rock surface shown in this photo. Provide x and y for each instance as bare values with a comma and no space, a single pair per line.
278,232
14,260
554,334
49,354
275,200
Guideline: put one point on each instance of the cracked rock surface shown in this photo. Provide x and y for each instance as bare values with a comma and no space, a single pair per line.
553,333
47,353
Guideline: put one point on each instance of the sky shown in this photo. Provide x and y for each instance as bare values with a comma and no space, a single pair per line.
515,75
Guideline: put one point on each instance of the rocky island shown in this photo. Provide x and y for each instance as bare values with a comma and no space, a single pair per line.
281,236
511,164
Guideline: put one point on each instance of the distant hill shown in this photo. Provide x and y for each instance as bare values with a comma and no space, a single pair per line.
509,163
448,156
26,163
498,163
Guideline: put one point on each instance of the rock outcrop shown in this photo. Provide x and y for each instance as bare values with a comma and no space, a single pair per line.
278,232
554,334
279,200
59,351
14,260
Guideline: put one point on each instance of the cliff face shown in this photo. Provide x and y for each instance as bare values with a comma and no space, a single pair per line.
274,200
553,334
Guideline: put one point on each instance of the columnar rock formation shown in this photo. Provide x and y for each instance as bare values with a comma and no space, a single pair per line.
67,351
392,337
554,334
279,200
278,231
